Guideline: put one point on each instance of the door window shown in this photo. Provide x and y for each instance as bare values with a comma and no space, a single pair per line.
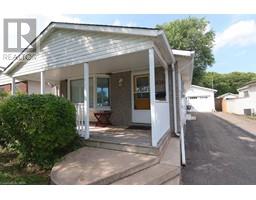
141,92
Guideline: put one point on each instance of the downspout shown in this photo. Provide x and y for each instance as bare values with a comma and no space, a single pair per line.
174,100
182,137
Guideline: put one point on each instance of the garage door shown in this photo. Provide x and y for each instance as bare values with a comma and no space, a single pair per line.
200,103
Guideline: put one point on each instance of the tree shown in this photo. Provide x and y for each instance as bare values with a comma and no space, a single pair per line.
192,34
225,83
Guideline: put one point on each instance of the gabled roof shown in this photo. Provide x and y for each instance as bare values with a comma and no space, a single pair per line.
141,31
204,88
226,94
247,85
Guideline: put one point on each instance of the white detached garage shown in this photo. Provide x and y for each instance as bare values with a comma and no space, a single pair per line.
201,99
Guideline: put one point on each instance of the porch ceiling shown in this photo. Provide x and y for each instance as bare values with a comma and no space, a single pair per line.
133,61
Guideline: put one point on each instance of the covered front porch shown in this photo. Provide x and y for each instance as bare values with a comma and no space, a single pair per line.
133,87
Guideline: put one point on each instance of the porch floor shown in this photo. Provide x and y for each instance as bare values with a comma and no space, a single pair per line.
121,135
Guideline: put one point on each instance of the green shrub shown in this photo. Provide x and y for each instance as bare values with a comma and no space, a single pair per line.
40,127
3,95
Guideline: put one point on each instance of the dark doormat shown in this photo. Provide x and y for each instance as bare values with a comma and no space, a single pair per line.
140,127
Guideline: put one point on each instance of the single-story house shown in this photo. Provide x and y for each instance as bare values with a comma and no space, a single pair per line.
131,72
200,99
245,104
221,104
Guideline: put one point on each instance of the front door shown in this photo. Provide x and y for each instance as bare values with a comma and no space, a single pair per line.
141,99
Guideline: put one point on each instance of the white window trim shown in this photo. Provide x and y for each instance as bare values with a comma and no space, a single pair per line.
94,76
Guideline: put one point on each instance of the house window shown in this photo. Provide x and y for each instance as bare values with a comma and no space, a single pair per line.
246,93
160,84
102,90
100,87
77,91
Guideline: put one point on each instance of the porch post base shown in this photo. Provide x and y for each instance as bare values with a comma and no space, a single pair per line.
85,135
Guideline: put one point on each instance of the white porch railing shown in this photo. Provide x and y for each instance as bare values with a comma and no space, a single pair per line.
162,119
80,122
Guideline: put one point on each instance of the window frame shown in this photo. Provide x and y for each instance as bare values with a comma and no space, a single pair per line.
94,77
96,95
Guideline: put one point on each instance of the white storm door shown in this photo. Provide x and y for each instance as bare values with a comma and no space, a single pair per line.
141,99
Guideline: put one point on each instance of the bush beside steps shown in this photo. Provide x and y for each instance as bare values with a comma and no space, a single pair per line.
42,128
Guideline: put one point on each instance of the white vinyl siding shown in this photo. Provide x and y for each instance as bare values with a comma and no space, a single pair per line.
4,79
69,47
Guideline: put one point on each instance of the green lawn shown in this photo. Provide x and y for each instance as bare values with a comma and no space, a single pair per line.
11,171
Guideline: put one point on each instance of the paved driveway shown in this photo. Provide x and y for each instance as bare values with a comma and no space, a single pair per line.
218,153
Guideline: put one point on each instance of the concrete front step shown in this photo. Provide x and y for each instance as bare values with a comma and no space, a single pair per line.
90,165
99,166
173,181
132,148
122,147
167,172
155,175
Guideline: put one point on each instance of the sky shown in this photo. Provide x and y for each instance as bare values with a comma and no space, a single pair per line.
235,41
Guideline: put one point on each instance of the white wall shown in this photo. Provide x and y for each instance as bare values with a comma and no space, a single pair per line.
238,105
201,103
4,79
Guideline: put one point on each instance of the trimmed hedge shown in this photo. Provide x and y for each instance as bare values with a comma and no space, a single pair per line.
41,127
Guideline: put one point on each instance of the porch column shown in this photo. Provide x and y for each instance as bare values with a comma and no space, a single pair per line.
86,133
13,88
42,82
152,96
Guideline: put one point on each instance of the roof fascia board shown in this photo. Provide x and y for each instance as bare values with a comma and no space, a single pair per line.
40,37
183,53
164,38
161,59
226,94
107,29
246,86
204,88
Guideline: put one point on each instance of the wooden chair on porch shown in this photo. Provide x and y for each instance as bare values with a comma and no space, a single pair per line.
103,118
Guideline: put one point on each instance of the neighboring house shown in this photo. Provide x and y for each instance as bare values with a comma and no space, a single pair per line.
221,103
201,99
245,104
129,71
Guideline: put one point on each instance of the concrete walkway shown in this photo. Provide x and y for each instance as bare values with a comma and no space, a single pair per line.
98,166
242,122
90,165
